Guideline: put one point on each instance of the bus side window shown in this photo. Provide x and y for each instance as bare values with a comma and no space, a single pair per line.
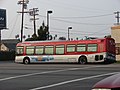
39,50
30,50
19,50
92,47
60,49
81,48
70,48
49,50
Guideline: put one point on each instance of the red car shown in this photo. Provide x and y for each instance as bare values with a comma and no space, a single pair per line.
110,83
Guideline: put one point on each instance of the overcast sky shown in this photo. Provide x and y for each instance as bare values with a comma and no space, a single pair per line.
87,17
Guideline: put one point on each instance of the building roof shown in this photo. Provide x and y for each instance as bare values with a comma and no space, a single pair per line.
10,43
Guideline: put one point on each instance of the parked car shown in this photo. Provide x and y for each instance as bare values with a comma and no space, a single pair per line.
110,83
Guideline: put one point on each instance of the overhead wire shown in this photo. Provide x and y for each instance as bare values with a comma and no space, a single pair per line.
85,17
79,22
13,28
70,6
83,32
66,30
61,30
66,3
61,20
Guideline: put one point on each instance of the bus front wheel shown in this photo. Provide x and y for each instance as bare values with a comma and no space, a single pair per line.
26,61
82,60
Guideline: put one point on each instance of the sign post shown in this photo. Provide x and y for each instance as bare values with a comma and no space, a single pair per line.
2,22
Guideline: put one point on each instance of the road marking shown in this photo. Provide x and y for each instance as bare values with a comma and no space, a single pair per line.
32,74
71,81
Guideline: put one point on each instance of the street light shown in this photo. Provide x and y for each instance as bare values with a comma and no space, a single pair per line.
68,32
48,12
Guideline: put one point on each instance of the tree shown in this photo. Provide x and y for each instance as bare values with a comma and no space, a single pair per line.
43,32
33,38
108,36
62,38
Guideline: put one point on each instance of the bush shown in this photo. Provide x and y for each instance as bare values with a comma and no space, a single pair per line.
5,55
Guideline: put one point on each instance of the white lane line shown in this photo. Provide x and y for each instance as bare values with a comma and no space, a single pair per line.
39,73
71,81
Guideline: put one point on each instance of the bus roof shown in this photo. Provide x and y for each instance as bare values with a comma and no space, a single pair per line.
27,43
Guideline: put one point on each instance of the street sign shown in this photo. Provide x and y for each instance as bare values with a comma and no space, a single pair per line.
2,19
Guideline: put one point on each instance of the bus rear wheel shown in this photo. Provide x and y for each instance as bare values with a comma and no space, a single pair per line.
26,61
82,60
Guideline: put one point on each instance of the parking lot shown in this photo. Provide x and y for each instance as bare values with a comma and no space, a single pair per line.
53,76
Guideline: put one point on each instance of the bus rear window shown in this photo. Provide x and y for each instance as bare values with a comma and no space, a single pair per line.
19,50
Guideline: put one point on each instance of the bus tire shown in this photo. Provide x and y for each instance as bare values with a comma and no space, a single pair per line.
26,60
82,60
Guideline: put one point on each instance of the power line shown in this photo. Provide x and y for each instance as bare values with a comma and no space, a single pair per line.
13,26
66,30
76,32
72,6
61,20
96,16
80,22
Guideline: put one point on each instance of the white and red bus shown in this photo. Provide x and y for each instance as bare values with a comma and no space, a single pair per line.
81,51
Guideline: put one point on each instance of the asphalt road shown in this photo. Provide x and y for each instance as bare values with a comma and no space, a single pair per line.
53,76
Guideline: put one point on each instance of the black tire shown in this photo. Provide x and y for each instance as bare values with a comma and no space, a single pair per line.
82,60
26,61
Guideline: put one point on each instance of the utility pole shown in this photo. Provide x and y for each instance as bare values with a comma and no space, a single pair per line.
33,12
117,17
24,6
